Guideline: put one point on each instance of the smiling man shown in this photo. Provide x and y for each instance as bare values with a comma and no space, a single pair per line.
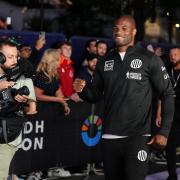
173,140
126,77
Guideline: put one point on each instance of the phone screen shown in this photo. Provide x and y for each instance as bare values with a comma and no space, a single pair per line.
8,20
42,35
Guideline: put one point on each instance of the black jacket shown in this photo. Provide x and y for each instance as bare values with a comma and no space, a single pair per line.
127,89
175,77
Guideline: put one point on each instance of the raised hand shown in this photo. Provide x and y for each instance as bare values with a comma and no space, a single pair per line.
66,109
79,85
158,141
6,84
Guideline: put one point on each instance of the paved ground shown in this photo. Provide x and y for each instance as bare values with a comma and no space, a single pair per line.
162,175
157,171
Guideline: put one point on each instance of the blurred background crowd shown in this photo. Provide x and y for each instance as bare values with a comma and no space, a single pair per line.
157,20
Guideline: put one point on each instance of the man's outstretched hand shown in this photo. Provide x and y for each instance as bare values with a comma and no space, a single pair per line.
158,141
79,85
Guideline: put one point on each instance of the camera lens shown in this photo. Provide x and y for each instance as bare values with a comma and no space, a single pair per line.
23,91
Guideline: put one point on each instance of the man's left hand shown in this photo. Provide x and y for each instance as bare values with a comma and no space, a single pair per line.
158,141
20,98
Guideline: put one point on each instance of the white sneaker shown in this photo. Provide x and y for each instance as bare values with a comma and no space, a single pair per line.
58,172
35,176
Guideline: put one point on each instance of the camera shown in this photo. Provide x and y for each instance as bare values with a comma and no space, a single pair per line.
7,102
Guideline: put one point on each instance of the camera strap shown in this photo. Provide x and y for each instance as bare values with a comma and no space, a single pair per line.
15,77
11,129
4,130
3,78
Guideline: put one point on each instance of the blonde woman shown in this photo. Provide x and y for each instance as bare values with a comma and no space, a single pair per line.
47,81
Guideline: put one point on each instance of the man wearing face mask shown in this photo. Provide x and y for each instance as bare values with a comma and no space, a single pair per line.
125,78
175,130
9,145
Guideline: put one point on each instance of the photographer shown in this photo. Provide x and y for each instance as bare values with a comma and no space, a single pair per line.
9,56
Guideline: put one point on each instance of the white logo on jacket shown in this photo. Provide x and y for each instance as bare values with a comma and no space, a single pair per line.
71,74
136,63
132,75
166,76
142,155
108,66
63,70
163,68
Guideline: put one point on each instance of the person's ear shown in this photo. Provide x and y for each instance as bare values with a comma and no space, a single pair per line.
134,31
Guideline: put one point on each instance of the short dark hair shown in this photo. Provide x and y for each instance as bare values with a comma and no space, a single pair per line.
8,43
101,42
59,44
24,45
89,42
65,43
91,56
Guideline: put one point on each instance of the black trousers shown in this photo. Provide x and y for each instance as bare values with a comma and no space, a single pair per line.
173,142
126,158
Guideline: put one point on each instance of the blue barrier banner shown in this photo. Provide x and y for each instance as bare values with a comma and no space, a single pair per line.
52,139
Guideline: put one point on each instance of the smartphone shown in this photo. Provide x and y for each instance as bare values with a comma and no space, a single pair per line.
8,20
42,35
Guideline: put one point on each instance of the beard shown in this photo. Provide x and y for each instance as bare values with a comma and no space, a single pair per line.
123,41
176,63
92,68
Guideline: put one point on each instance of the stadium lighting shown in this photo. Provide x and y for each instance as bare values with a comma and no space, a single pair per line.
177,25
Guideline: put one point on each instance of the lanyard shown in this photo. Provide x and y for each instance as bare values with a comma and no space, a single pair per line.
175,80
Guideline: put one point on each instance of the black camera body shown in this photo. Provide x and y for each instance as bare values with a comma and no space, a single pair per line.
7,102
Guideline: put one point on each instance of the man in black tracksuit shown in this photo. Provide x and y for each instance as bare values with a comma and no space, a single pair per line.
175,129
125,78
